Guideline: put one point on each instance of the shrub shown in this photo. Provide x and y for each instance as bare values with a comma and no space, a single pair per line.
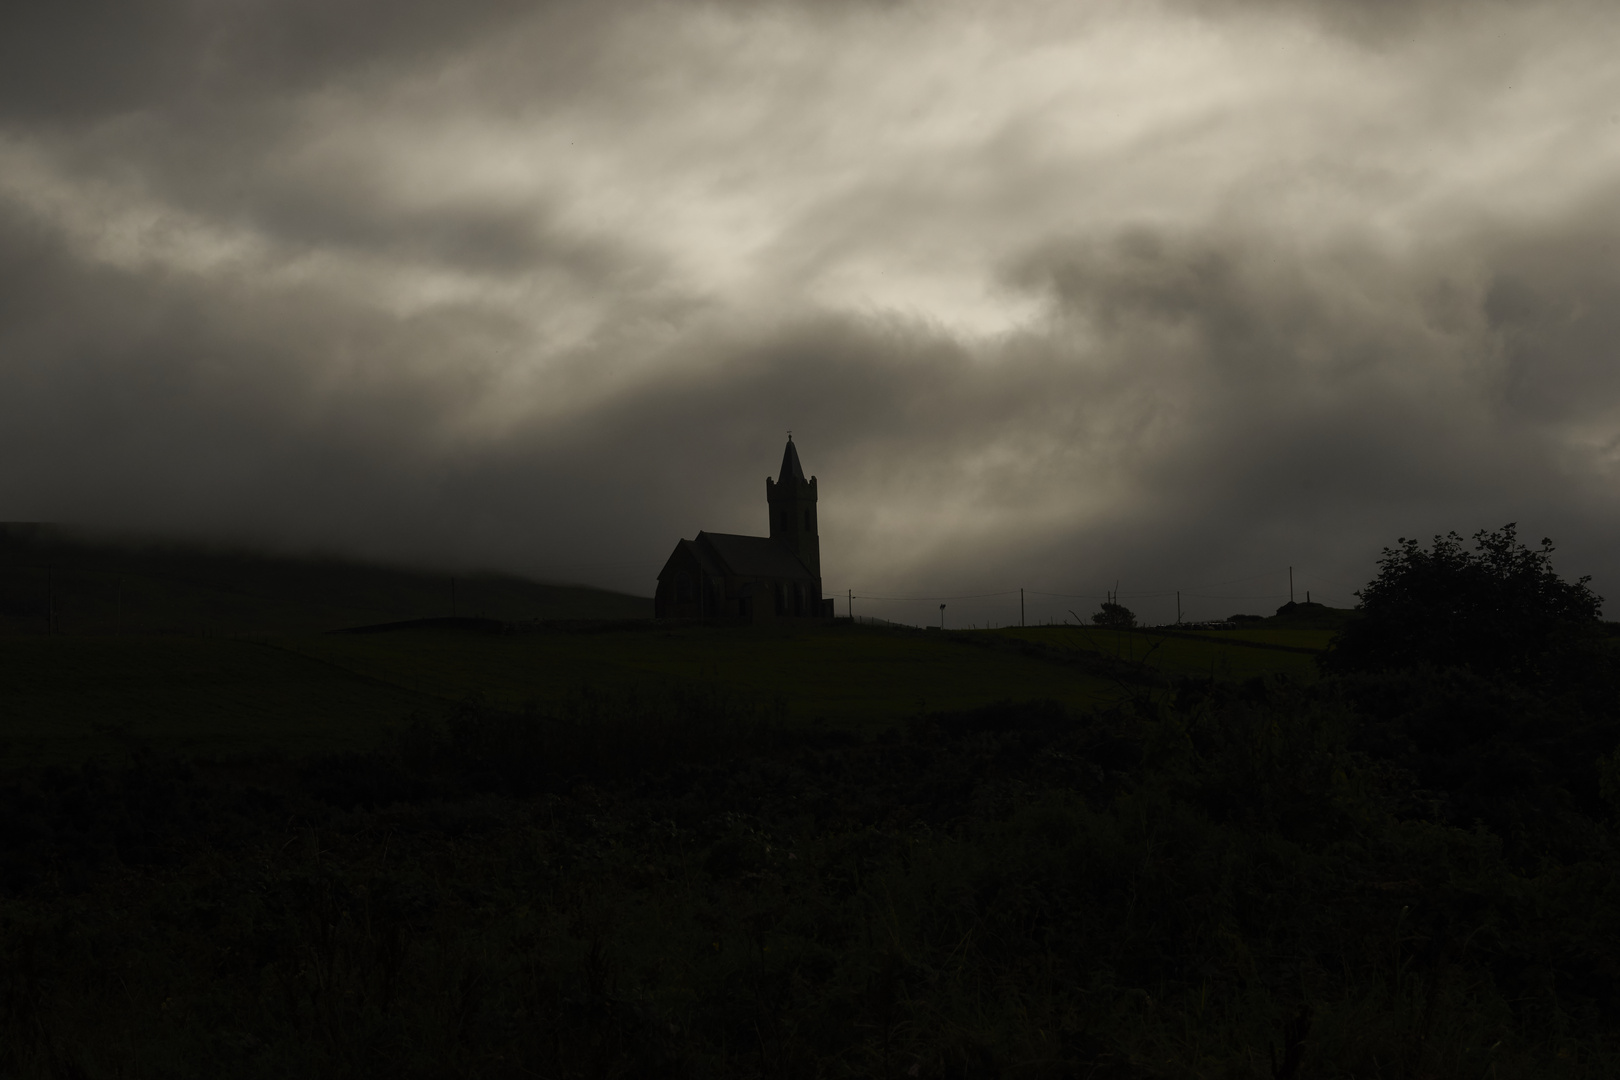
1498,609
1115,616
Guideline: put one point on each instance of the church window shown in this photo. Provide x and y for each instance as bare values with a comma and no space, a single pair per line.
684,593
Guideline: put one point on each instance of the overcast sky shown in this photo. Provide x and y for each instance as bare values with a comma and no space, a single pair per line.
1051,295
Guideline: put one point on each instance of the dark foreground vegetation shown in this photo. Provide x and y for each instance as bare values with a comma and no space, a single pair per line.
1399,870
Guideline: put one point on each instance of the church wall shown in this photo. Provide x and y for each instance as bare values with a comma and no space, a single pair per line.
757,601
685,591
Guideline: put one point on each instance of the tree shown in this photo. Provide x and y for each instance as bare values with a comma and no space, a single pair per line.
1499,609
1114,616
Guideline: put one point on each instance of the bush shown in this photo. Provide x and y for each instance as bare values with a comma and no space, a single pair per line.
1115,616
1499,609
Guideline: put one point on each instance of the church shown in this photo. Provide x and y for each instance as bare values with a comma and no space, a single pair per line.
752,579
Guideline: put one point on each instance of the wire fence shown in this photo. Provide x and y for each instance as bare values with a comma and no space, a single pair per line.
1317,596
1055,606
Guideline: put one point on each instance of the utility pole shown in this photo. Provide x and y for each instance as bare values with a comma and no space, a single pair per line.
851,602
942,616
1020,607
1290,584
1178,607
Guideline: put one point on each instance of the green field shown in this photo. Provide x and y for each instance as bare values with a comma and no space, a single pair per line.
1288,637
63,696
1213,654
104,646
839,673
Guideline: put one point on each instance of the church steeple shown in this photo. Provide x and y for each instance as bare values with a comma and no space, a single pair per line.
791,469
792,502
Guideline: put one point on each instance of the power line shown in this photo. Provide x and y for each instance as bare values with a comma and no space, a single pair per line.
1233,596
1191,593
923,599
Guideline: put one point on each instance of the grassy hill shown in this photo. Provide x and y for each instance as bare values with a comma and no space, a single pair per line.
66,582
67,696
215,652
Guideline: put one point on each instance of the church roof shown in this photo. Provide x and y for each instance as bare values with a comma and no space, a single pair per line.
753,556
790,464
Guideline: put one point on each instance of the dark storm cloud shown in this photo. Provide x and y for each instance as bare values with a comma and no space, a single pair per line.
1378,23
1327,403
151,397
82,62
1551,301
1050,298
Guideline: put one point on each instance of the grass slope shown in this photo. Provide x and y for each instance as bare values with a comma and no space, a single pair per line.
853,675
207,652
1213,655
79,584
63,699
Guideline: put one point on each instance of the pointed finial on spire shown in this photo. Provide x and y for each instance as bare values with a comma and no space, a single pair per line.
790,434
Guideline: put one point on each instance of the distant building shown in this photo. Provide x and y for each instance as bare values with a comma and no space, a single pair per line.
755,579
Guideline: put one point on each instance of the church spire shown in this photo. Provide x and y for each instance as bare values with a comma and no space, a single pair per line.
791,469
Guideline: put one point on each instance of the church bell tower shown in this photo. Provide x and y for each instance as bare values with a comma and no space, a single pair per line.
792,501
